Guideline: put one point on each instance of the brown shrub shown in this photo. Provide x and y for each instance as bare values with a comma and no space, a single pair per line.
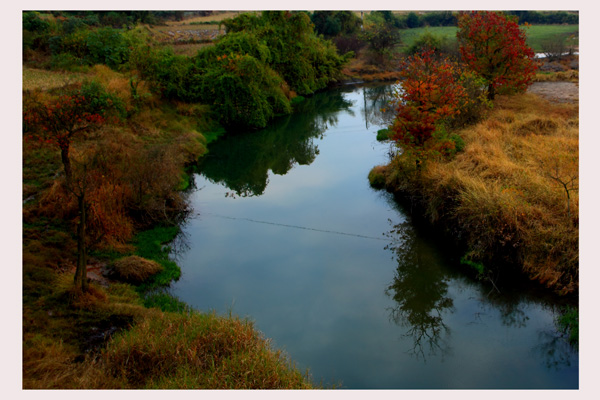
135,269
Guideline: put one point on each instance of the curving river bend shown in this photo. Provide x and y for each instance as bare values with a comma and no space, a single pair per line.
288,233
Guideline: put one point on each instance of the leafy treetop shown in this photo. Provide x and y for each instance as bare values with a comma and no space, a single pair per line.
493,45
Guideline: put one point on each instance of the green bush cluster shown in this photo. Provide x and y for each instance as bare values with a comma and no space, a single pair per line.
305,61
251,74
334,23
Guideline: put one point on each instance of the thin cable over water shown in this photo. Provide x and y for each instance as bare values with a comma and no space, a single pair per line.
297,227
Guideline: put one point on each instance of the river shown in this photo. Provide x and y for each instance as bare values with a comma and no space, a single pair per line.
288,233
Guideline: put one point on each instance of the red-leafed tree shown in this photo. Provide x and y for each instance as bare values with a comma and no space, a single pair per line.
431,93
493,45
58,122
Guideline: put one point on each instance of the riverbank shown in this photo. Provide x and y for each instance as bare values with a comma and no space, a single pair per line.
116,335
510,197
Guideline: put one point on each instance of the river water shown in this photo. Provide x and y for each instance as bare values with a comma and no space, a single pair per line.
288,233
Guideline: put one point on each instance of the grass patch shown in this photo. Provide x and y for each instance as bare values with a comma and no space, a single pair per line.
568,322
538,34
150,244
383,135
409,36
214,134
46,80
377,177
479,267
165,302
561,76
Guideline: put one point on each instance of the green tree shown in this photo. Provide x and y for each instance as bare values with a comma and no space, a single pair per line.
382,37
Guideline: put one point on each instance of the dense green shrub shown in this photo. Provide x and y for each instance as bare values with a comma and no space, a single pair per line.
72,24
334,23
439,18
99,100
428,41
306,62
239,43
33,23
74,43
107,46
244,91
36,31
413,20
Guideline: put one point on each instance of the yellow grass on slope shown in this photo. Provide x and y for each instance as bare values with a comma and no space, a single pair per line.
513,190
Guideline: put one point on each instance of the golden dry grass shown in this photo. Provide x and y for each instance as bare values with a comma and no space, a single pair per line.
504,191
45,80
135,269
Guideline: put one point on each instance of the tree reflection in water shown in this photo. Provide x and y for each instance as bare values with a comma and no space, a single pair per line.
555,350
376,108
420,289
242,161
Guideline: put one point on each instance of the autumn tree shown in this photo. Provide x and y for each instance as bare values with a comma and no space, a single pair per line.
493,45
59,122
431,93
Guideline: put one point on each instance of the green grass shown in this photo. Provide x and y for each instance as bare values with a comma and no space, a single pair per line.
165,302
383,135
568,322
213,135
409,36
150,245
479,267
536,34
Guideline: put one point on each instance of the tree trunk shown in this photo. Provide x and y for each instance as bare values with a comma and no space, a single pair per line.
491,92
66,161
81,271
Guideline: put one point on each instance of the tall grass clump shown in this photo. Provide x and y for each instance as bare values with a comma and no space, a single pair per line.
198,351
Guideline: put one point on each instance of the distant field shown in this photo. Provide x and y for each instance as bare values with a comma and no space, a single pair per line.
216,18
536,34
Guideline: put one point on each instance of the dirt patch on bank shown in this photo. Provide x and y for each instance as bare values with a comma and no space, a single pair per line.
560,92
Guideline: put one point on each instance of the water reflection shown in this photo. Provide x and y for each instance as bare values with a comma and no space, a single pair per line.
554,350
420,289
509,305
241,162
376,109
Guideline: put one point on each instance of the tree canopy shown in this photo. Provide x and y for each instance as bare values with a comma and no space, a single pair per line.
493,45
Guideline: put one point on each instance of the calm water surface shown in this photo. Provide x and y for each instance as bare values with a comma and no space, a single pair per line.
288,233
